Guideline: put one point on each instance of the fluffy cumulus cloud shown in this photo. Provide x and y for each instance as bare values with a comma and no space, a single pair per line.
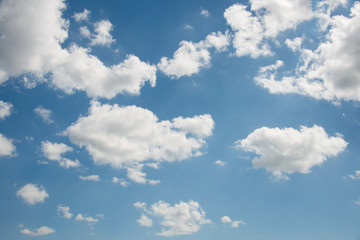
145,221
94,178
44,113
130,136
234,224
31,40
288,150
64,211
32,194
83,218
253,29
179,219
44,230
190,57
330,72
54,152
5,109
82,16
101,35
220,163
7,148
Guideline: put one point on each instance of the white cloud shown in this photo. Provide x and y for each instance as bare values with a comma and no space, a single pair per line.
234,224
102,34
85,32
94,178
54,152
140,205
180,219
31,40
32,194
129,136
355,176
145,221
121,181
5,109
38,232
285,151
80,217
189,27
6,147
332,71
64,211
220,163
44,113
205,13
190,57
82,16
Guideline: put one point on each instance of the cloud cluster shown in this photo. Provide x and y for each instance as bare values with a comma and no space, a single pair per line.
234,224
44,230
7,148
129,136
182,218
32,194
54,152
191,57
31,44
5,109
288,150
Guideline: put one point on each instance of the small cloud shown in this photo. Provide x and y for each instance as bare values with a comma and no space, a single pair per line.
32,194
64,211
80,217
234,224
205,13
5,109
38,232
189,27
145,221
42,162
121,181
220,163
44,113
355,176
94,178
82,16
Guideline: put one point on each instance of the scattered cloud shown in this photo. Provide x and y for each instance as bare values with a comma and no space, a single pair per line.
285,151
82,16
6,147
220,163
5,109
145,221
234,224
189,27
179,219
54,152
355,176
38,232
190,57
120,181
205,13
32,194
129,136
102,35
90,220
94,178
64,211
44,113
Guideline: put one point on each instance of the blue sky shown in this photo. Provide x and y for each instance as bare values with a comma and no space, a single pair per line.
181,120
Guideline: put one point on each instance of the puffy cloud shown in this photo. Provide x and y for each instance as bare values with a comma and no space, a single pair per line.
268,19
205,13
67,163
82,16
44,113
54,152
6,146
94,178
121,181
44,230
102,34
355,176
190,57
285,151
129,136
64,211
145,221
5,109
179,219
332,71
80,217
85,32
32,194
234,224
31,40
220,163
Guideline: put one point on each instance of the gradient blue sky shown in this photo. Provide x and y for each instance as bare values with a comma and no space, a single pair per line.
181,120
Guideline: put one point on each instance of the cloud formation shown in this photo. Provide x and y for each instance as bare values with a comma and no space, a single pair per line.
32,194
288,150
44,230
234,224
44,113
7,148
5,109
54,152
129,136
64,211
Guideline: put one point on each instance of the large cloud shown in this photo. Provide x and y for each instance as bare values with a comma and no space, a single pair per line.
30,43
129,136
32,194
332,71
6,146
287,150
190,57
182,218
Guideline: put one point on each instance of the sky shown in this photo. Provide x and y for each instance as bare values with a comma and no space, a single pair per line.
179,120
